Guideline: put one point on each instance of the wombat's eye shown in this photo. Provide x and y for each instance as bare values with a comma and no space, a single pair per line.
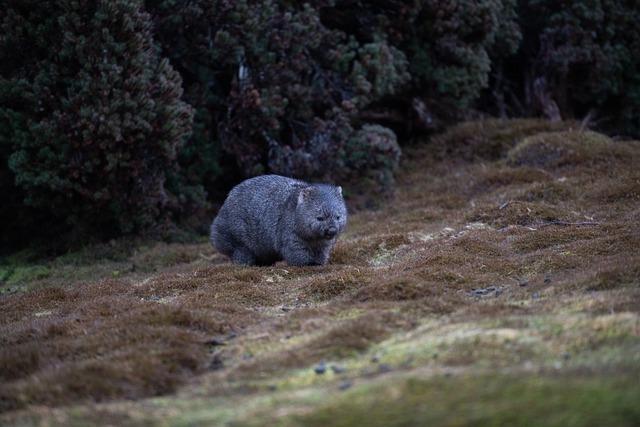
319,218
338,217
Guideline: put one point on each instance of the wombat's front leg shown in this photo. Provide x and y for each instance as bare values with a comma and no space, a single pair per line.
323,255
298,255
243,256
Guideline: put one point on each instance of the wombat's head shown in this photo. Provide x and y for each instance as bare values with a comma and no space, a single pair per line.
320,212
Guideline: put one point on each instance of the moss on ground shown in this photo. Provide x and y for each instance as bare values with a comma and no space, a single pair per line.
525,400
15,277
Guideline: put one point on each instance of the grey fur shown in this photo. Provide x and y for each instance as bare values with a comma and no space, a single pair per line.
270,217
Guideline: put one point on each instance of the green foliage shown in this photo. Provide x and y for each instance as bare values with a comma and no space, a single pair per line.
91,117
587,54
97,133
373,154
492,401
274,87
451,46
183,31
296,86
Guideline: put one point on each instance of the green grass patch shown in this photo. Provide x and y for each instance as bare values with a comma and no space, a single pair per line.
481,401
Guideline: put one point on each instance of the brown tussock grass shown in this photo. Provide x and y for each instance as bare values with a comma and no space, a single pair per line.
107,340
346,338
359,251
549,192
328,287
521,213
418,257
490,139
492,178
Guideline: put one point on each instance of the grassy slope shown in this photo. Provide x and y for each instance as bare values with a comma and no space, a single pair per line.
502,289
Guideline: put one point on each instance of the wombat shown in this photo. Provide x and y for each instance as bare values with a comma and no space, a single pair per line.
270,218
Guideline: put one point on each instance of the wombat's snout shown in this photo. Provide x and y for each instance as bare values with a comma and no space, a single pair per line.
330,232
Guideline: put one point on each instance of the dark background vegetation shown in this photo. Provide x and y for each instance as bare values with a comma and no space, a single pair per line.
136,117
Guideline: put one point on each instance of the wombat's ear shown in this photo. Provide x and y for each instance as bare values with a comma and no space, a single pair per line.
304,194
339,190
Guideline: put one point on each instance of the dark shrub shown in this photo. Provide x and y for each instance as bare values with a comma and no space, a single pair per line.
450,46
184,31
91,115
578,58
96,133
273,86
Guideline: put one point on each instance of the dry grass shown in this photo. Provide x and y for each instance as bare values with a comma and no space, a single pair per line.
544,228
491,139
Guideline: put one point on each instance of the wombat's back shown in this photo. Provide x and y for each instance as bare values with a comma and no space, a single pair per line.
250,215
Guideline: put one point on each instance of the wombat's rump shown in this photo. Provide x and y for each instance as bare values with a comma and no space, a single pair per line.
270,217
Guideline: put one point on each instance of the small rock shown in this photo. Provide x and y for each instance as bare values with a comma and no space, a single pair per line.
272,387
407,363
345,385
338,369
375,359
566,356
384,368
488,291
213,342
536,295
320,368
216,363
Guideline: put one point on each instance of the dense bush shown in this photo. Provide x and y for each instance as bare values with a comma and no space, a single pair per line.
449,44
273,86
578,58
452,43
184,32
91,113
97,133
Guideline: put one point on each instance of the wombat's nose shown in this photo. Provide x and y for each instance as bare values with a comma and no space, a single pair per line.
330,232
